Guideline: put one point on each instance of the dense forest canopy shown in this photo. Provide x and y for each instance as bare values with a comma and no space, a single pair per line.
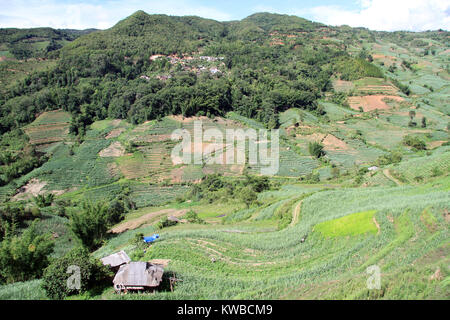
114,73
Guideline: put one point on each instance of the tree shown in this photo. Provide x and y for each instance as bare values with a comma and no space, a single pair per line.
24,257
43,200
258,184
165,222
363,53
414,142
412,124
192,217
424,122
91,224
248,196
316,149
392,157
56,276
273,122
14,217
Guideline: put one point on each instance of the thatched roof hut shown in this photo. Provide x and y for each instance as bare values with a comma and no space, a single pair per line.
138,276
116,259
173,218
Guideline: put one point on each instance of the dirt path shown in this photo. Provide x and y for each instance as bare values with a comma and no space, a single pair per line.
376,223
390,177
296,213
136,223
221,256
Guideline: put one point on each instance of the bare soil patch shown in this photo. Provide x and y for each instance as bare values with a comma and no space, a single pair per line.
156,138
376,223
317,137
114,150
341,85
33,188
372,102
177,175
296,213
162,262
136,223
181,118
58,192
114,133
330,142
387,60
435,144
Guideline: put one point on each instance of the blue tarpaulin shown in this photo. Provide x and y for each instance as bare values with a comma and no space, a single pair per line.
151,239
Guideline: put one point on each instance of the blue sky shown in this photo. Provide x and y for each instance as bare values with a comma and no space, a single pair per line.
389,15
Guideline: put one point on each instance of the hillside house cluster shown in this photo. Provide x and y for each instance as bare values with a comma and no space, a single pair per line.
187,64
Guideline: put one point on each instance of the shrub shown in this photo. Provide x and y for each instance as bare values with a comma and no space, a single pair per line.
248,196
43,200
335,172
56,275
192,217
165,222
414,142
313,177
24,257
393,157
13,217
424,122
435,172
258,184
138,241
316,149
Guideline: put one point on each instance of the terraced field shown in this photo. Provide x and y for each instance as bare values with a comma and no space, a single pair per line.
51,126
253,260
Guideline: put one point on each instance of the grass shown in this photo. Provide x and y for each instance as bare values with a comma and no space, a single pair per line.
29,290
403,231
426,167
351,225
254,260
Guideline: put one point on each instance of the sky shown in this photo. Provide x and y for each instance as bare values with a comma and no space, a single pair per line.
383,15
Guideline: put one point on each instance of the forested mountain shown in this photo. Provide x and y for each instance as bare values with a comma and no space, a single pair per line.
256,73
36,42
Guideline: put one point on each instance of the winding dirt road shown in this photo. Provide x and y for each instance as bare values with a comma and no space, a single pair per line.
149,217
296,213
388,175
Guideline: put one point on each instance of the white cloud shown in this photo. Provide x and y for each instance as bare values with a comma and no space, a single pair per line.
389,15
386,15
82,15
